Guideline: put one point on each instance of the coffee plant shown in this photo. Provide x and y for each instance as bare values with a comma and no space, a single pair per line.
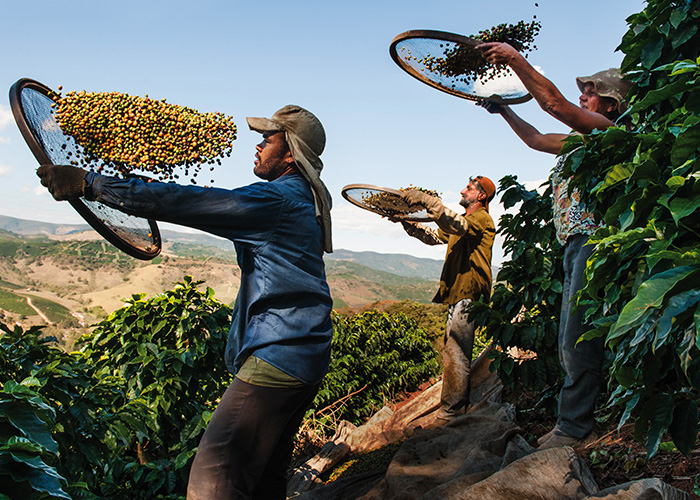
642,294
526,299
28,451
643,180
375,357
121,416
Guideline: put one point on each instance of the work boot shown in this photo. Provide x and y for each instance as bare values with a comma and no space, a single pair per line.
559,439
542,439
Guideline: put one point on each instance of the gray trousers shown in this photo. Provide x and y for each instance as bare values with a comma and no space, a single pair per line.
457,359
247,447
582,363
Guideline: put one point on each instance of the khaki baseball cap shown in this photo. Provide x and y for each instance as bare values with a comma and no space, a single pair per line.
296,120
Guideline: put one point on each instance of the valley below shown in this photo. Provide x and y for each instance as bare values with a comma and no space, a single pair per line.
68,278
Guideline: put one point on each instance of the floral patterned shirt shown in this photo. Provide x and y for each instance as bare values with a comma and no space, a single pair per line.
570,215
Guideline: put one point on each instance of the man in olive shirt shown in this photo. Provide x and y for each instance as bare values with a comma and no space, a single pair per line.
466,276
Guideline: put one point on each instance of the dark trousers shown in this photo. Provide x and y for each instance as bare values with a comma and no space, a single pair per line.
457,358
582,362
247,447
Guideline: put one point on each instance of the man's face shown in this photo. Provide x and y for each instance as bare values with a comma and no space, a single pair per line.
273,158
591,101
471,195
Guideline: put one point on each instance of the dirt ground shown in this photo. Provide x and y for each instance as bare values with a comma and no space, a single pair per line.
615,457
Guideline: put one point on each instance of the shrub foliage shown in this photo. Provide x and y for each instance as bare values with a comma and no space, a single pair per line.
526,299
642,292
375,356
642,295
121,416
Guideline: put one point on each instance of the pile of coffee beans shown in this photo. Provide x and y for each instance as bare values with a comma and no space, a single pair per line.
119,133
468,65
391,205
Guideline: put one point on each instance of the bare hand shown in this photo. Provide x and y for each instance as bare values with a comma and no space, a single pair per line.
498,52
490,106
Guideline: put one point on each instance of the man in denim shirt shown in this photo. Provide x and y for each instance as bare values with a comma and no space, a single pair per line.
280,338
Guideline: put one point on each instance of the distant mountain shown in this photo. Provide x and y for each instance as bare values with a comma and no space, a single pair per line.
184,244
25,227
394,263
32,227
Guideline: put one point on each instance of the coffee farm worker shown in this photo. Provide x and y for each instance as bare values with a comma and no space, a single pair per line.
600,104
280,338
466,276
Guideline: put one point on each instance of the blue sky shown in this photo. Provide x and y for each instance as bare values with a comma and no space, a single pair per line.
251,58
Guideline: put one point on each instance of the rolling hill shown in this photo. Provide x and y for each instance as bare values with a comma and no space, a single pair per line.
68,277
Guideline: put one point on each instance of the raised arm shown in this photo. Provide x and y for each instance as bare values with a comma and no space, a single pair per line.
449,221
421,232
547,143
544,91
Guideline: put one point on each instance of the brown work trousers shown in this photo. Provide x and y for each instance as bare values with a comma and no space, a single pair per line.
247,447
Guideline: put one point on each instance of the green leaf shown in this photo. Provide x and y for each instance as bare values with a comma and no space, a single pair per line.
668,446
685,351
677,17
682,207
684,428
629,407
682,36
676,305
24,418
686,143
615,175
685,66
651,53
41,476
649,295
625,376
675,182
659,95
659,423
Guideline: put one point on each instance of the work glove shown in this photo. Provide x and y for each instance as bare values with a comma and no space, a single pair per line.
64,181
433,205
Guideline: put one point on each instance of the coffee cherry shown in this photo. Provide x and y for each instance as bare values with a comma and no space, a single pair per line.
119,133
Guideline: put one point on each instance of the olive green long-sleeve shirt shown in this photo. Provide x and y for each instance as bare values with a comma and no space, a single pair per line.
466,273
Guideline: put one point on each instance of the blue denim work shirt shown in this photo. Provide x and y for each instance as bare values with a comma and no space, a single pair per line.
282,312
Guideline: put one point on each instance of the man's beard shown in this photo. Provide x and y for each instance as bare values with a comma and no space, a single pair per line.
466,203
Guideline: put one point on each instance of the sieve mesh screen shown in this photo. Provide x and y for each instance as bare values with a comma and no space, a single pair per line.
450,63
136,236
384,201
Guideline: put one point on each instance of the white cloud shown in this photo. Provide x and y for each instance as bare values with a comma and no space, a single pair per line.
6,170
5,116
33,189
539,185
5,140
